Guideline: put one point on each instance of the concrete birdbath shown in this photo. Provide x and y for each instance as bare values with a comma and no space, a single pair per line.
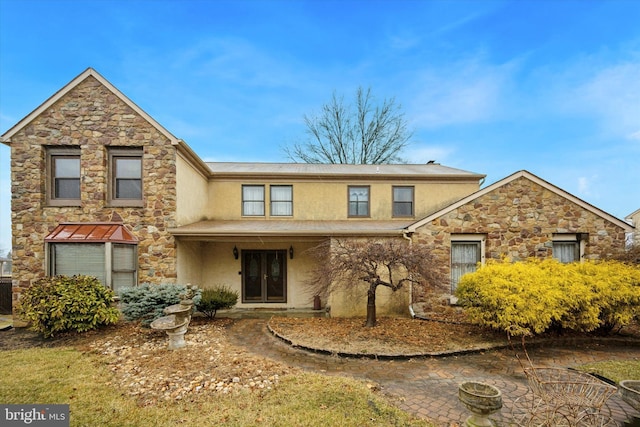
175,330
175,323
482,400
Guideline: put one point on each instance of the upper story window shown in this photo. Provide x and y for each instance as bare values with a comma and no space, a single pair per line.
253,200
125,185
359,201
402,201
281,200
63,166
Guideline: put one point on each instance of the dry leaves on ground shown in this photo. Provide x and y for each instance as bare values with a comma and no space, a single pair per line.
390,337
208,364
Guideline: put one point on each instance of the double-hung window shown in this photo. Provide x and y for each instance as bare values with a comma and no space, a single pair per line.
402,201
281,200
358,201
63,165
125,168
467,250
253,200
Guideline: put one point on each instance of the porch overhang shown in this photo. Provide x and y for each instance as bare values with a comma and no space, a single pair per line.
286,229
90,233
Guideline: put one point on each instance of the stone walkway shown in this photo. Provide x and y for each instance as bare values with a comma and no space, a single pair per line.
428,388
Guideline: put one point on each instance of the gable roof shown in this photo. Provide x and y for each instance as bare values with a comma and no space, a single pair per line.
89,72
632,214
528,175
183,148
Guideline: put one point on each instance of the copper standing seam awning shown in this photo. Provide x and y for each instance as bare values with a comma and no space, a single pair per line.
88,233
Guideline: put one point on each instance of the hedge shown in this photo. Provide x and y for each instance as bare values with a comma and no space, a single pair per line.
535,296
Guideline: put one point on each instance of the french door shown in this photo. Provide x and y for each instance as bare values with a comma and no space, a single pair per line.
264,276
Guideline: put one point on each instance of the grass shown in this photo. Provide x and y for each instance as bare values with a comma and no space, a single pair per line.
65,375
616,371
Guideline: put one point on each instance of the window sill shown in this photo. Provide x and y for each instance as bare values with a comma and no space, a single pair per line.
64,203
126,204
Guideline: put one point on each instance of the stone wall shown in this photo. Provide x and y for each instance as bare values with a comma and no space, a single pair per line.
91,117
519,220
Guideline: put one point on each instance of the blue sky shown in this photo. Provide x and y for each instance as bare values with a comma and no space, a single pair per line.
487,86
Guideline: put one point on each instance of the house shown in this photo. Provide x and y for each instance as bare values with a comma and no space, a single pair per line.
634,219
99,187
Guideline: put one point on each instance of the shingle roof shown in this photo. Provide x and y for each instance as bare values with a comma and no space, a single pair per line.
247,169
238,228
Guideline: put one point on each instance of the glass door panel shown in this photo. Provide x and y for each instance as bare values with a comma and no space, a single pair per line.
264,276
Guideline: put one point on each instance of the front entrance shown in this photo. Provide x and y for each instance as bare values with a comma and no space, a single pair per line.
264,276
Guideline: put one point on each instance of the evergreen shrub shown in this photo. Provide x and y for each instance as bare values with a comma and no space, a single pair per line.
217,298
539,295
61,303
146,302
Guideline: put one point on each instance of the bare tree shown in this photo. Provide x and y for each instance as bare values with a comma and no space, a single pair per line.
364,134
630,255
392,263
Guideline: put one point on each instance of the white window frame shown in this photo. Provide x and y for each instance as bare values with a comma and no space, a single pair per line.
480,239
579,239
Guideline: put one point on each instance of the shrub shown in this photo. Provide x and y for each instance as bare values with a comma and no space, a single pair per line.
215,299
62,303
146,302
535,296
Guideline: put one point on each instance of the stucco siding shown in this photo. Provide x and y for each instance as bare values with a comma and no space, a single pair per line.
219,267
324,200
191,193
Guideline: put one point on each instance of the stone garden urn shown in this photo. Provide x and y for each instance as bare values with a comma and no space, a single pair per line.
630,392
482,400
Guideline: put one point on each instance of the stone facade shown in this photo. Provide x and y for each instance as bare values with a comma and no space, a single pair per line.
518,220
90,116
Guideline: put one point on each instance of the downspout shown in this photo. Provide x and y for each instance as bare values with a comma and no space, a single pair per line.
407,235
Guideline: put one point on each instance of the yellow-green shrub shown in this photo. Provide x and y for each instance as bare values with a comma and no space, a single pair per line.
536,295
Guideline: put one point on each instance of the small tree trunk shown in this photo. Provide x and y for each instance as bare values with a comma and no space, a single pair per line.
371,307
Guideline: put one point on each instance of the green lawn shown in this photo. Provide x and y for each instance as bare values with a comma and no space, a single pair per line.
616,371
65,375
